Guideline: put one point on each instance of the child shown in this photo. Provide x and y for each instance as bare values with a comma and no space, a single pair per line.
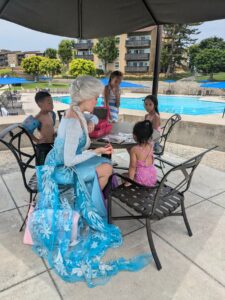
44,121
151,106
142,169
112,95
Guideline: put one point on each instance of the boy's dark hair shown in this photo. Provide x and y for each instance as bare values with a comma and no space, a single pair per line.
115,74
154,99
40,96
143,131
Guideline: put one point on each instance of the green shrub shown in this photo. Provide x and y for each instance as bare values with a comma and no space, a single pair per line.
82,67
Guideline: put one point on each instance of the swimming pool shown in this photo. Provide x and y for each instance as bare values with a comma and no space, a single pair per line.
170,104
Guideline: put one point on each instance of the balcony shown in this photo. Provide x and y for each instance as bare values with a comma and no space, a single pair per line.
137,56
85,56
129,69
138,43
84,45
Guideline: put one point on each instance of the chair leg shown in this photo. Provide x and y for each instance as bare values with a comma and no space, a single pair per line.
151,244
162,166
30,202
109,209
185,218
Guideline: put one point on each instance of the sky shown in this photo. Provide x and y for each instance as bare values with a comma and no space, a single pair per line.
15,37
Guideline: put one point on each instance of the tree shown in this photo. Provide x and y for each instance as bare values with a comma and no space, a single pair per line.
65,51
192,53
31,66
164,59
50,67
82,67
106,49
176,39
50,53
210,61
212,43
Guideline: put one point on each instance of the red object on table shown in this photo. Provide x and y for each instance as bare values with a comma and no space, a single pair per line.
103,127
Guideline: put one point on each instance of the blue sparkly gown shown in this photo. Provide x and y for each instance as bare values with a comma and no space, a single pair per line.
51,223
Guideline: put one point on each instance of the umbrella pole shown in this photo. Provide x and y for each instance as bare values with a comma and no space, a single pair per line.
157,61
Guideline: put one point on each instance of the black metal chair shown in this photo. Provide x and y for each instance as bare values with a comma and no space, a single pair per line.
159,148
100,112
15,138
166,131
157,202
61,114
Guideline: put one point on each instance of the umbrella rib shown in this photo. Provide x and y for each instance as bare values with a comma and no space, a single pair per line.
150,11
4,6
80,18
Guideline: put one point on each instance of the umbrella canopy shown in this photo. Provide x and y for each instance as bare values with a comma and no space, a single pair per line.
96,18
215,85
124,84
13,80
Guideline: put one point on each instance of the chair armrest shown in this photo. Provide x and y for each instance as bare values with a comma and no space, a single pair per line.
165,161
134,183
121,168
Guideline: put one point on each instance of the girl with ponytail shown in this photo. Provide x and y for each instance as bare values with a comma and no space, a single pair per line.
142,169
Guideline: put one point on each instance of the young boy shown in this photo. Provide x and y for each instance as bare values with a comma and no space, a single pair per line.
44,122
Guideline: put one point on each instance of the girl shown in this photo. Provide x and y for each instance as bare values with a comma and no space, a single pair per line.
112,95
151,106
142,168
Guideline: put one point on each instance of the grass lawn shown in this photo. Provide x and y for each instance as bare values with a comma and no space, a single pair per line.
216,77
40,85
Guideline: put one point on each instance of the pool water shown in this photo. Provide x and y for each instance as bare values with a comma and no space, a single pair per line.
170,104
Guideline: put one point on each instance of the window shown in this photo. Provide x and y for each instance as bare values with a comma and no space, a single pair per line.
116,65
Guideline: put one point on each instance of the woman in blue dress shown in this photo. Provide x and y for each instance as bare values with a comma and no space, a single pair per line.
69,224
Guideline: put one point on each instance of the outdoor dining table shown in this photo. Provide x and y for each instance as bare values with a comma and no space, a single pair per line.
120,128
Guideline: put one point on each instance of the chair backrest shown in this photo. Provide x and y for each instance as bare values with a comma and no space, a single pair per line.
167,129
101,112
177,179
15,138
61,113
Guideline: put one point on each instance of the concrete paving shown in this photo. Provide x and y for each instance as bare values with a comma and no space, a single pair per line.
193,267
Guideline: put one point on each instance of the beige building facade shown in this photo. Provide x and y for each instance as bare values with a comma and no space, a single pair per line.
14,58
136,52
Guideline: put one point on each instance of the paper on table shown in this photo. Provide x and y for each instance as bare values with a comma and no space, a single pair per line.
119,138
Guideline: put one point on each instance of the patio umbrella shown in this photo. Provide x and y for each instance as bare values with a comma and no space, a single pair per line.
124,84
13,80
97,18
214,85
169,81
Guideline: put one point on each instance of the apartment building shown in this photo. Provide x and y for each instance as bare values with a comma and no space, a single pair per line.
14,58
136,52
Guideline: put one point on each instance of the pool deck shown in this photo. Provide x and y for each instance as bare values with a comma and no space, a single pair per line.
193,267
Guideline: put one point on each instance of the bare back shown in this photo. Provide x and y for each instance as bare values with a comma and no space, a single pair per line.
143,153
46,131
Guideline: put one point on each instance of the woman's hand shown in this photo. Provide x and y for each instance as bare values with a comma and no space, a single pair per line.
108,149
91,127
